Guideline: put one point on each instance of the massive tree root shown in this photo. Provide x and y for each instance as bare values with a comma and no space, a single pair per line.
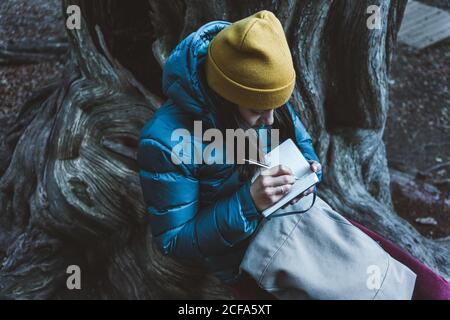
70,193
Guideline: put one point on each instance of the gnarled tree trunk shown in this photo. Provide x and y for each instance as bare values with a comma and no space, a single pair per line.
70,193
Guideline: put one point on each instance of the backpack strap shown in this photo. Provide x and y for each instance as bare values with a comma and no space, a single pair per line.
293,212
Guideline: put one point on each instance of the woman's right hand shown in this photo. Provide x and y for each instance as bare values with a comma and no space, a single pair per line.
271,185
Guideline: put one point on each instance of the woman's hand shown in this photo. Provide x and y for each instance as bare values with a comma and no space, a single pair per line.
315,167
271,185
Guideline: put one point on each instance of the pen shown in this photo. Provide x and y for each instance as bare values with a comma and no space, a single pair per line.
257,163
262,165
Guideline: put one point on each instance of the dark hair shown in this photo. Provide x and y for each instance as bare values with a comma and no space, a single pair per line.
228,117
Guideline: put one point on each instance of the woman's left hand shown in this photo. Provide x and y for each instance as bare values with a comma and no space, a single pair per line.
315,167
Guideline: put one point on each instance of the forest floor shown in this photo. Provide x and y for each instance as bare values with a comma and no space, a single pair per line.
417,132
38,20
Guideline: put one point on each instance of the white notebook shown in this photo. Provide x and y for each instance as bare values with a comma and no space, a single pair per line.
289,155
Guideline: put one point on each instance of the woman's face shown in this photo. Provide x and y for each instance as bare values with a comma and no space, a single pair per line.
256,117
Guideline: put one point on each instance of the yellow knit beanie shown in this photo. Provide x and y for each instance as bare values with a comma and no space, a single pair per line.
249,63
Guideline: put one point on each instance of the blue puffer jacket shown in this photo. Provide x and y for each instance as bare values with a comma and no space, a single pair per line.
200,214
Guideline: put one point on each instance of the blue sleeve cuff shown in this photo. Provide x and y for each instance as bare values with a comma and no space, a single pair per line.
248,206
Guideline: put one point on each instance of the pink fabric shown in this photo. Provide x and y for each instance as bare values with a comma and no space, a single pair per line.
429,285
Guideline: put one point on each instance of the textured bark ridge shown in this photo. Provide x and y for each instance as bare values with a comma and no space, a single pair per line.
70,192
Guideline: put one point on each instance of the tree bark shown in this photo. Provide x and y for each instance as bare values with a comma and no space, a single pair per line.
70,192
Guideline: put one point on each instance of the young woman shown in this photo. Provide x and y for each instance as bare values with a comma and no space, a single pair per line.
227,76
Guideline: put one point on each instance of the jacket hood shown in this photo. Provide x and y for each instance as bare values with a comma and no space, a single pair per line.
183,79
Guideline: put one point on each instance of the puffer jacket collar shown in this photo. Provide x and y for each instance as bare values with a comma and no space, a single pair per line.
182,76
